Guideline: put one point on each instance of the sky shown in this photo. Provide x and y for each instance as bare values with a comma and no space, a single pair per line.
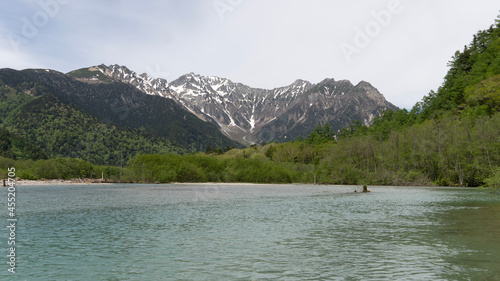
401,47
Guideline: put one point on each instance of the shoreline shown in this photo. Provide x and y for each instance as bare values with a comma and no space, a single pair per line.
21,182
45,182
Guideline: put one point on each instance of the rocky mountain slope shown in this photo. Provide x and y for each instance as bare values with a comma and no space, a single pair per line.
120,104
251,115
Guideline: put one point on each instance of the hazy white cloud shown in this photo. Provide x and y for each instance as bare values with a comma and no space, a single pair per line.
261,43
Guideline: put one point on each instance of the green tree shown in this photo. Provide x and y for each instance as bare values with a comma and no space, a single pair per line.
486,94
321,134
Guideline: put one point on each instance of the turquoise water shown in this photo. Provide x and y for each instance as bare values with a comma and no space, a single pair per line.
253,232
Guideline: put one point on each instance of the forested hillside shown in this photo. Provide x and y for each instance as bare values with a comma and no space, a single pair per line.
63,131
42,127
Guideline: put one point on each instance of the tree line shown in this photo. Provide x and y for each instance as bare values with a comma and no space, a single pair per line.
449,151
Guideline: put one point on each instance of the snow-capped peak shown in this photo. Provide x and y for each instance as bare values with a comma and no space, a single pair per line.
144,82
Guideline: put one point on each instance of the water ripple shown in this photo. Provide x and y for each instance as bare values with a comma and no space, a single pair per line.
256,232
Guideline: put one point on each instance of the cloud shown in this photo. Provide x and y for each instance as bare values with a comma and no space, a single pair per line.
261,43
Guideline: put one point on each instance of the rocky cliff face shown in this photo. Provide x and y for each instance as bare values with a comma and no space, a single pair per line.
251,115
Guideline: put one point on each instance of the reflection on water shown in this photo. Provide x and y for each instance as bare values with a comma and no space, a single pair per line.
249,232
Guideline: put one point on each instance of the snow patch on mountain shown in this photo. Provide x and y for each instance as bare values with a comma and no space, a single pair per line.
252,115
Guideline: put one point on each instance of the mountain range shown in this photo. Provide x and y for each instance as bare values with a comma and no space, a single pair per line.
252,115
108,114
42,92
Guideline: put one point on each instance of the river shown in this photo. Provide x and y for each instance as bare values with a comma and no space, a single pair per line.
253,232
